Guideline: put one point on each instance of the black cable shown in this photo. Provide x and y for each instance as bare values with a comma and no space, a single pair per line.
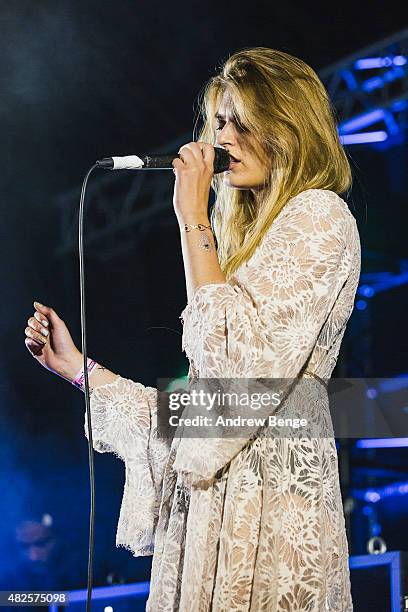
87,400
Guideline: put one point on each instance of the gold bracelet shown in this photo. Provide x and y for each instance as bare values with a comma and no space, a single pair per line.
199,226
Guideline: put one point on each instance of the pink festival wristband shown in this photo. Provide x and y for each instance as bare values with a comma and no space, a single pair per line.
80,377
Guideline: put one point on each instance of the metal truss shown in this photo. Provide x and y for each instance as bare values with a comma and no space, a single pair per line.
369,90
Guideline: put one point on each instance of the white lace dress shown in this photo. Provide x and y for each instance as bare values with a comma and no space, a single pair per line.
236,525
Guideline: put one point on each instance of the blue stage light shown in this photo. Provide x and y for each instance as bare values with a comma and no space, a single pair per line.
400,60
371,393
363,138
376,529
383,443
362,120
366,291
372,496
361,305
388,77
371,63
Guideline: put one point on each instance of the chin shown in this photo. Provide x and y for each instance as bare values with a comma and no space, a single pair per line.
238,180
235,183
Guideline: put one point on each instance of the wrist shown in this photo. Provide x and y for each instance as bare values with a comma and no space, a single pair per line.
72,366
194,219
79,380
193,213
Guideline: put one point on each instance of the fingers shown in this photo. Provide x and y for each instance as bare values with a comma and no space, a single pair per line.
36,326
197,151
189,155
208,153
32,333
177,163
33,346
41,318
36,331
47,313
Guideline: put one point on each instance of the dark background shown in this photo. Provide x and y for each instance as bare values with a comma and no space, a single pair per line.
84,80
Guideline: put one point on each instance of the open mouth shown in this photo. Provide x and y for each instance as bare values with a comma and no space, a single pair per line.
234,161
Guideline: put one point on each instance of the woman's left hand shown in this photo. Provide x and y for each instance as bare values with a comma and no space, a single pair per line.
194,171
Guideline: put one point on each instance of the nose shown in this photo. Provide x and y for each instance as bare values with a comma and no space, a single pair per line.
226,136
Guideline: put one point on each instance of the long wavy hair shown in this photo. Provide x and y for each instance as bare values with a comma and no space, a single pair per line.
281,102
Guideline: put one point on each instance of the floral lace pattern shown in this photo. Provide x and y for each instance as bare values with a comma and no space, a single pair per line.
132,436
251,524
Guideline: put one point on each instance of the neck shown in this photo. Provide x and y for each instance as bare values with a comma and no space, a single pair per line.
258,196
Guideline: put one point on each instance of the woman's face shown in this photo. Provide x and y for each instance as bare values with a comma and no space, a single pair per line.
250,169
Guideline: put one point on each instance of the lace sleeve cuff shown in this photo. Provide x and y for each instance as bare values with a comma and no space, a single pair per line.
121,416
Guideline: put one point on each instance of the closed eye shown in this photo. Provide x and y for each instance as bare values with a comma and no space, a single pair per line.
237,125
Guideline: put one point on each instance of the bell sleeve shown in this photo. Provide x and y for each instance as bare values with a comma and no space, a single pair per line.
265,322
124,422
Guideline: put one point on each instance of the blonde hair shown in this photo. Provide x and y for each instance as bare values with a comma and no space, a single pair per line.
281,102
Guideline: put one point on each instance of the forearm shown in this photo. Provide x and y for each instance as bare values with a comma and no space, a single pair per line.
201,264
98,377
101,376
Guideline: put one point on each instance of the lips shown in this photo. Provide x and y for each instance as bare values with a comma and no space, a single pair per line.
233,162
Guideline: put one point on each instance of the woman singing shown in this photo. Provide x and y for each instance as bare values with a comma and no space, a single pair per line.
241,524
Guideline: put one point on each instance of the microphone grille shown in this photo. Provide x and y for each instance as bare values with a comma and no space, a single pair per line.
221,161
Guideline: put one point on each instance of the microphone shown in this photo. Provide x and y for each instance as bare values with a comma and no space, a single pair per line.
159,162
